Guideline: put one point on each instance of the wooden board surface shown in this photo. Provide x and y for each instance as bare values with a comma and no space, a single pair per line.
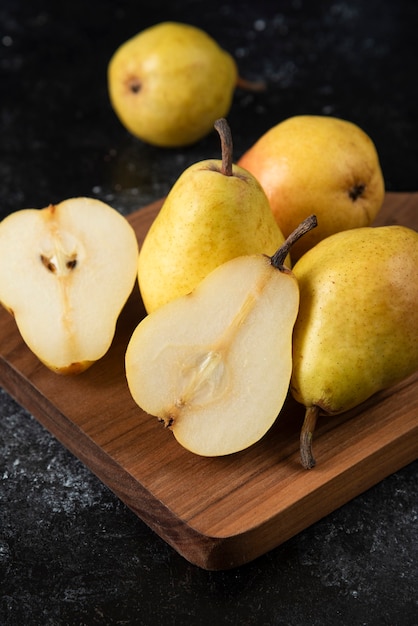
218,513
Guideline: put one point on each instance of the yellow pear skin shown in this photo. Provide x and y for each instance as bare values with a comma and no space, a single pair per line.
318,164
208,218
170,82
357,327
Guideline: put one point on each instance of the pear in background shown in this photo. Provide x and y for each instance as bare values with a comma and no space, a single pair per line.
214,366
214,212
357,327
318,164
170,82
66,272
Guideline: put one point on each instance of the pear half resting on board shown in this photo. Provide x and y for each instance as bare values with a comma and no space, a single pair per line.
214,365
66,272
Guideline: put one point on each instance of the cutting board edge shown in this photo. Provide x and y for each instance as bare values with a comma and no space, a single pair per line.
209,552
152,512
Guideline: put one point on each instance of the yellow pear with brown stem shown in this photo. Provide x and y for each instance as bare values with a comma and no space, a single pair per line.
214,212
170,82
66,272
214,365
357,326
317,164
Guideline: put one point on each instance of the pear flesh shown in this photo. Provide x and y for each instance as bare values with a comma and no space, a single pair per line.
357,327
215,365
65,274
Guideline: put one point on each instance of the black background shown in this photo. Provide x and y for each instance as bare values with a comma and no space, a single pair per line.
70,551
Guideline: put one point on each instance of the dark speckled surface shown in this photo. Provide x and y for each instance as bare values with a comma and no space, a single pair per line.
70,552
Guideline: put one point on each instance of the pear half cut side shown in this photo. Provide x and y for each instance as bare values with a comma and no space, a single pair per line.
66,272
215,365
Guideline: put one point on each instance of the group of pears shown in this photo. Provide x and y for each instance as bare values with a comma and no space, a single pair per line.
253,292
259,279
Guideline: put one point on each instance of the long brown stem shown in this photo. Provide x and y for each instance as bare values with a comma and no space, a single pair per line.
278,257
251,85
225,135
306,436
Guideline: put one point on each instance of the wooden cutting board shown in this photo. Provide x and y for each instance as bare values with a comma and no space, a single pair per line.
222,512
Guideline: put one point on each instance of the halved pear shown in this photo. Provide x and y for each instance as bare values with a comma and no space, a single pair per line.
66,272
215,365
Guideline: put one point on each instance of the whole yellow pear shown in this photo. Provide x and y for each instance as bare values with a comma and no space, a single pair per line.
214,212
170,82
357,327
318,164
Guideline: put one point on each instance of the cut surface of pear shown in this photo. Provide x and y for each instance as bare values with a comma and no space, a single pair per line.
215,365
357,326
65,273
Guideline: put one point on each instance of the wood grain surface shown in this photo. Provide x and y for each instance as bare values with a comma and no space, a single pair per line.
222,512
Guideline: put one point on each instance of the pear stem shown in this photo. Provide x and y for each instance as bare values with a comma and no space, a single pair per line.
251,85
279,256
306,435
224,131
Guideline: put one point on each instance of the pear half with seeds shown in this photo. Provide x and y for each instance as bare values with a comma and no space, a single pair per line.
214,365
66,272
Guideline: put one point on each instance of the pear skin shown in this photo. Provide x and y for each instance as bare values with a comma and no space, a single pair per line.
317,164
357,327
214,212
170,82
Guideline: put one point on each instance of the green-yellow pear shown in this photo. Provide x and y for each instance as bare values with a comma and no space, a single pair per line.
215,211
317,164
170,82
214,365
357,327
65,274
